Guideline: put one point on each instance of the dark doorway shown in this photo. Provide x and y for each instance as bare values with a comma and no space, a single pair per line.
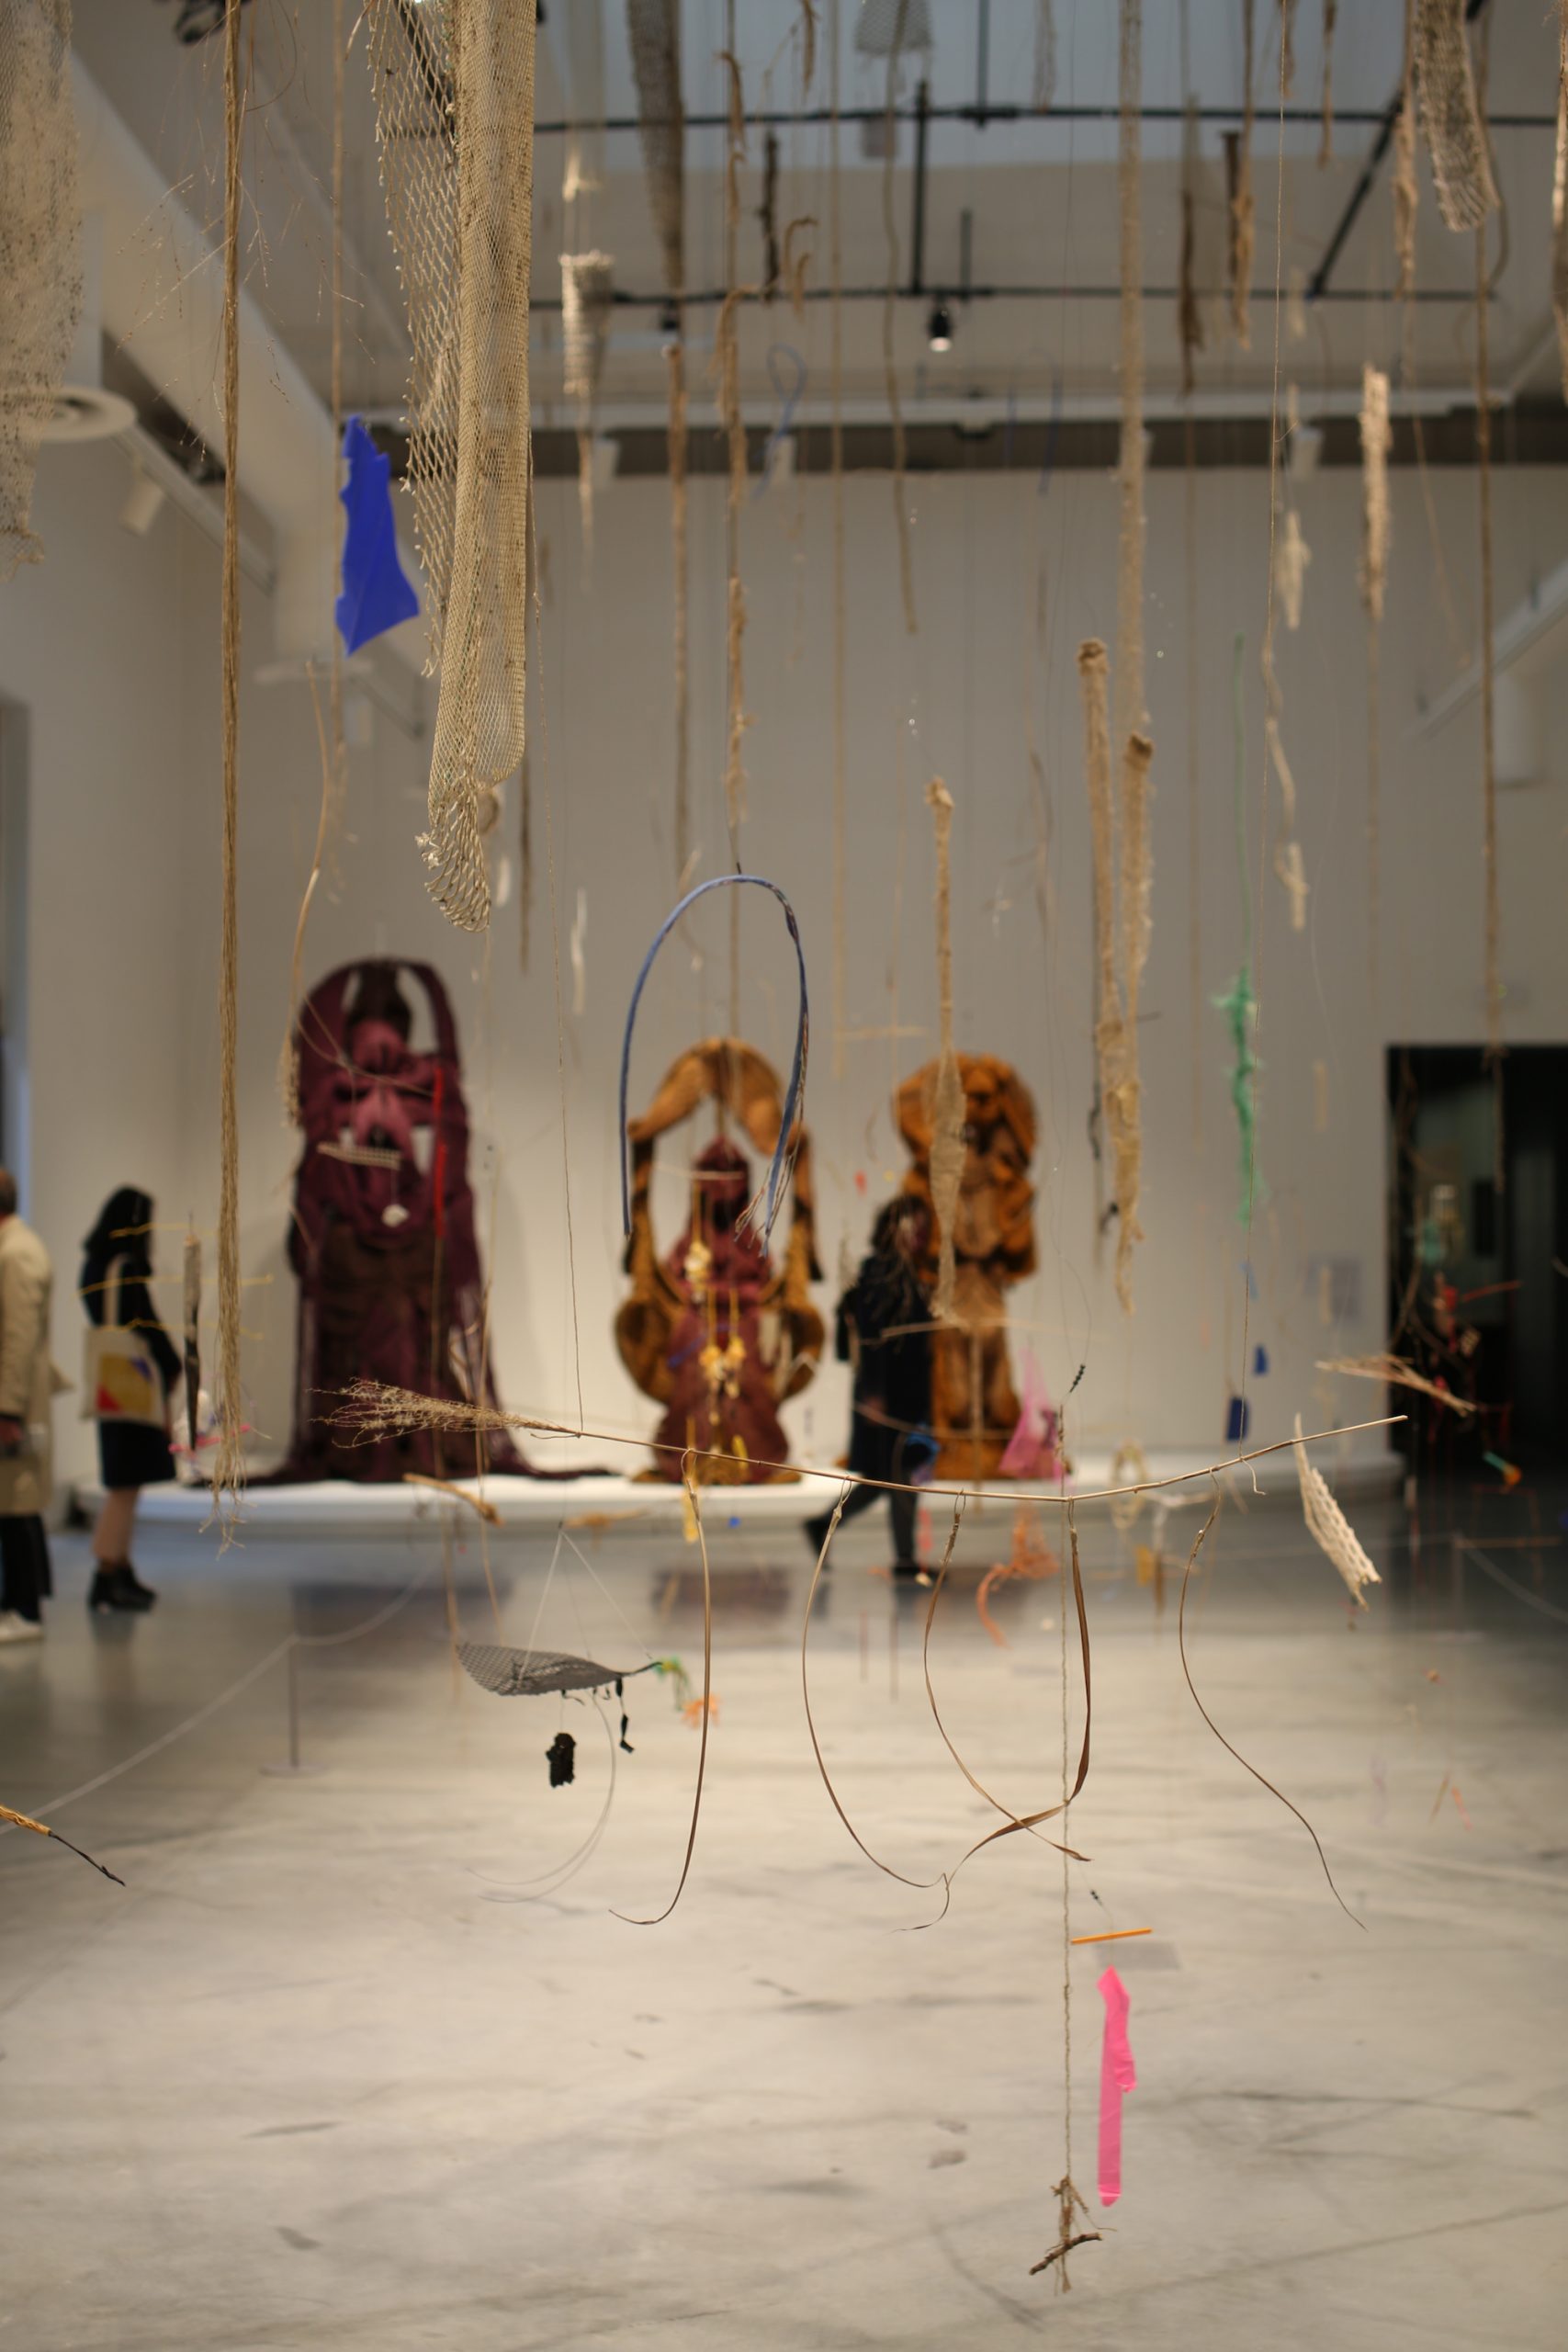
1478,1239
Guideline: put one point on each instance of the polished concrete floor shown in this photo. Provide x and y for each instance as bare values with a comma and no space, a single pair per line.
358,2059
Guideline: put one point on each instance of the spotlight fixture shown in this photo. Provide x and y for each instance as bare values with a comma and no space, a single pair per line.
938,328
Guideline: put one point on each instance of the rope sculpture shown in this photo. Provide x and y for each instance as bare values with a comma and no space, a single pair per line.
454,89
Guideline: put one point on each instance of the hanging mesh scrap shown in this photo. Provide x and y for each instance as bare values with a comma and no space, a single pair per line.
654,28
1461,167
454,87
41,274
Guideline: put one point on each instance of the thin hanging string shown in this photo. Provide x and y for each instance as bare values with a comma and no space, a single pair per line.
228,1465
1491,980
836,438
1255,954
555,932
890,308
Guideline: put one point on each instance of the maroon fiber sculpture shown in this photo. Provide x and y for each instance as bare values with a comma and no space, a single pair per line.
383,1236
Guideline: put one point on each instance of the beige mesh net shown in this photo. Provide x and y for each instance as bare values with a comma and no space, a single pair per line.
654,29
41,273
454,85
1461,167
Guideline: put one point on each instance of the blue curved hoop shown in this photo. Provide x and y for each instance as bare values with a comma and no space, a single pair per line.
798,1067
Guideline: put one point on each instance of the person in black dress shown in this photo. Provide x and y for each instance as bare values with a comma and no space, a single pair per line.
883,1320
117,1268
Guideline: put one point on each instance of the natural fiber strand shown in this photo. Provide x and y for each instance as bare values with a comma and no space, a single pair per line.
1127,701
1043,89
454,85
1187,1671
947,1123
694,1499
1330,1530
1456,137
41,1829
1189,312
1286,47
1326,144
371,1409
1405,186
1491,979
1243,210
1377,440
229,1462
1560,199
1393,1372
40,264
840,601
588,283
1115,1060
889,314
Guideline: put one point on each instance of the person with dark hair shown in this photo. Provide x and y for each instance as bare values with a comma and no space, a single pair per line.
117,1267
26,1387
884,1319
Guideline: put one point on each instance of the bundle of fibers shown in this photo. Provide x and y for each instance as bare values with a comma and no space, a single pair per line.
1114,1043
41,271
1330,1528
454,89
588,293
1461,166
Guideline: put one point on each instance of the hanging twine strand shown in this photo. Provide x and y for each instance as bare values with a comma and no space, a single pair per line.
228,1465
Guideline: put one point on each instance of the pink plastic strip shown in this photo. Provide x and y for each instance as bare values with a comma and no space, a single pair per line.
1116,2078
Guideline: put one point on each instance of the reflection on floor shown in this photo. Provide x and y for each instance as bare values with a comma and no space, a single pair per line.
355,2059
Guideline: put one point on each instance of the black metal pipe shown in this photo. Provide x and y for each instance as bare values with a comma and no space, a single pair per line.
1348,118
714,297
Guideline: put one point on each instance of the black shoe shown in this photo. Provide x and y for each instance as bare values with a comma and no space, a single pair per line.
118,1587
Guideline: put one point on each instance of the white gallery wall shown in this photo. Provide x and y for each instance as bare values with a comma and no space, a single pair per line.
112,646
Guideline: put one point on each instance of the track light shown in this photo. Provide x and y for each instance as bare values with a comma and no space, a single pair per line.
938,328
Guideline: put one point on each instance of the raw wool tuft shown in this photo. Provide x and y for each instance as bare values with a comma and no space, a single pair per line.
1325,145
454,87
1560,199
947,1110
1288,864
1239,155
1292,557
1330,1528
1461,167
588,292
1406,188
1377,440
40,265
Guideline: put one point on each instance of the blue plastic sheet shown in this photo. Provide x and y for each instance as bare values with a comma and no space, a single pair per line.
376,594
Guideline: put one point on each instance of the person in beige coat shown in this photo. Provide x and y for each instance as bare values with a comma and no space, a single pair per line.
26,1389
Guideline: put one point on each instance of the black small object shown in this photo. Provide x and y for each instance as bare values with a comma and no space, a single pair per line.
626,1748
198,20
120,1587
562,1754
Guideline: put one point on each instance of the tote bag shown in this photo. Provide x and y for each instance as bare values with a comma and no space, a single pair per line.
120,1379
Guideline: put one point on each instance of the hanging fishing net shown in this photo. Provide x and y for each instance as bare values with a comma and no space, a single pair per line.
654,29
1461,168
454,87
41,273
